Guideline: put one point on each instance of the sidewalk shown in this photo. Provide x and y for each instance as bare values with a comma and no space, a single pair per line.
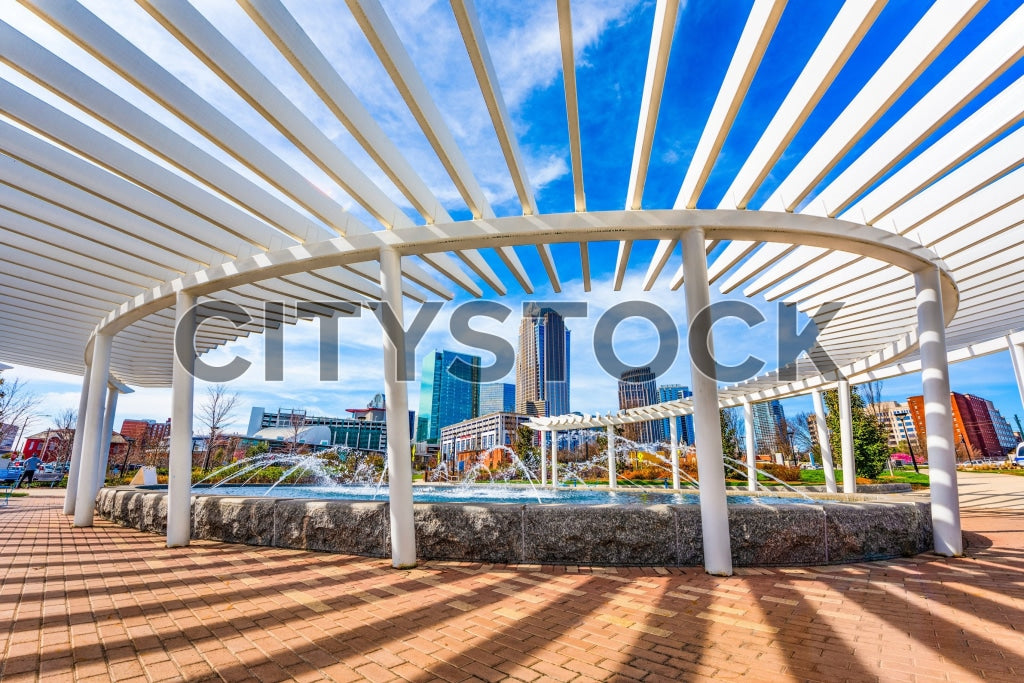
108,603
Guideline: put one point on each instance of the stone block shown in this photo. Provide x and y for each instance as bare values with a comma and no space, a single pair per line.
334,526
777,535
874,531
153,512
484,533
234,519
689,538
599,535
127,509
105,502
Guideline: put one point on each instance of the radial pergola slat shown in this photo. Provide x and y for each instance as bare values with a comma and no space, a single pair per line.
650,103
941,24
993,56
835,47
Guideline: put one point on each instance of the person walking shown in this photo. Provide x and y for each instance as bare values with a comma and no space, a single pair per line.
30,471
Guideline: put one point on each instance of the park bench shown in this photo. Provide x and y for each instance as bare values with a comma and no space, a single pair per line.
8,480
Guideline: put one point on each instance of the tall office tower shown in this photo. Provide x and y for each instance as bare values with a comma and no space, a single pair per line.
638,387
449,392
542,364
684,423
497,397
768,420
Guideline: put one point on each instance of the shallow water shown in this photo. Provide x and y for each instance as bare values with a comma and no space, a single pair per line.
492,494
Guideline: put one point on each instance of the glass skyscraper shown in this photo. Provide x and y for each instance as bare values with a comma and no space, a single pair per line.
637,388
684,423
769,418
497,397
449,392
542,364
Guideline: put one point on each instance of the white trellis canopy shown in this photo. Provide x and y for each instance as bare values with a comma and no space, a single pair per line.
127,178
108,204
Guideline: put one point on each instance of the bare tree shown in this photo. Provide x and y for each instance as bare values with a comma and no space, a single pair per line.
17,403
296,422
64,424
872,395
800,424
214,412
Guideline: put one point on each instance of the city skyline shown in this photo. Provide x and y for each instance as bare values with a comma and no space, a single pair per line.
987,376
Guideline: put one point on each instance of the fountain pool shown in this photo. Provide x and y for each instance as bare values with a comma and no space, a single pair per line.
470,494
664,531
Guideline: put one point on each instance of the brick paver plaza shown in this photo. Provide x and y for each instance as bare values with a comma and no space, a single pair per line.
109,603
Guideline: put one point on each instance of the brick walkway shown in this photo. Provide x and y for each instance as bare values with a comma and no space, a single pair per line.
112,603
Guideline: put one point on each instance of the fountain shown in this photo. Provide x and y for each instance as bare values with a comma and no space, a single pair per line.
339,504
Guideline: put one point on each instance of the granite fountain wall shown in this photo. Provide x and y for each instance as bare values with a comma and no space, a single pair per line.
653,535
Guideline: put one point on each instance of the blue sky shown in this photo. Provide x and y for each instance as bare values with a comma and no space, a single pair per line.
612,39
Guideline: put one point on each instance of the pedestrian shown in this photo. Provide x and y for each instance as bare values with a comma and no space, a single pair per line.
30,471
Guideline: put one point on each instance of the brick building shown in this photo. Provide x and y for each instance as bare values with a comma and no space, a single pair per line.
974,433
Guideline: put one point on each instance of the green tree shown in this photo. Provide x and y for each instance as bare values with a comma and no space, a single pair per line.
257,449
730,433
870,437
523,444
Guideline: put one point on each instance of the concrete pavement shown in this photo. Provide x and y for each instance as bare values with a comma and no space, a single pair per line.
979,490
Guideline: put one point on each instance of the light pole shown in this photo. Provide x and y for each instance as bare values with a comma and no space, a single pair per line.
792,448
910,448
127,453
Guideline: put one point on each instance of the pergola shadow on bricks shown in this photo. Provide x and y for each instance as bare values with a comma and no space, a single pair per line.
131,198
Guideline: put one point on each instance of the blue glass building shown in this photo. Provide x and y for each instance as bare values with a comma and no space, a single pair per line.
497,397
449,392
684,423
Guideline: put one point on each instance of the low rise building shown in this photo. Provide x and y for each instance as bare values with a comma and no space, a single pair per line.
54,445
466,440
365,429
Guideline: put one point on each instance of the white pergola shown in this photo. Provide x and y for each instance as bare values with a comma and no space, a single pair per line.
118,214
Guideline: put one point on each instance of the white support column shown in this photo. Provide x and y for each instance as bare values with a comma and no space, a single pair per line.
612,476
108,431
751,444
714,508
938,415
846,437
826,448
92,439
543,457
673,444
554,459
179,461
403,530
75,462
1017,358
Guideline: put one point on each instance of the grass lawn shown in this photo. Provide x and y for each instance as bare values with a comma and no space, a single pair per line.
1017,472
904,476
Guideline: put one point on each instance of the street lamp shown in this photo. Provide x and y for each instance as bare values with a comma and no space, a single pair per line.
792,448
127,453
910,448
